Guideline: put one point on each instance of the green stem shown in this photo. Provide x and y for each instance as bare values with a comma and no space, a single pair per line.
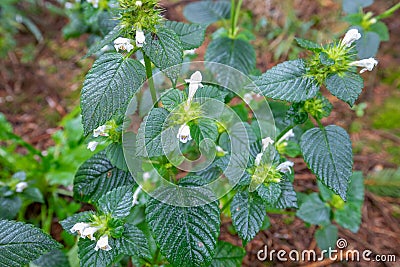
235,12
155,258
287,129
149,74
319,123
47,216
227,203
388,12
232,17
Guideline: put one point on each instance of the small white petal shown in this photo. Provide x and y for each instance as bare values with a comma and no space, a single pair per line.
248,98
92,145
366,64
146,176
184,134
257,161
285,167
136,195
350,37
89,232
195,78
100,131
21,187
140,38
189,52
95,3
102,243
266,142
286,136
138,3
123,44
79,227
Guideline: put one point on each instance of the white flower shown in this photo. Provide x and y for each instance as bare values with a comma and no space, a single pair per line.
100,131
69,5
189,52
184,134
136,195
79,227
366,64
266,142
95,3
194,84
140,38
21,187
285,167
102,243
123,44
138,3
220,151
286,136
248,98
350,37
146,176
257,161
92,145
89,232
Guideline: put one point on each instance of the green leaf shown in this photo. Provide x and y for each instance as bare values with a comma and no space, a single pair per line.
288,81
326,237
208,91
236,53
149,134
118,202
109,38
325,59
248,213
88,257
21,243
172,98
207,12
191,35
108,88
381,29
345,86
306,44
33,194
314,211
9,207
68,223
228,255
96,177
349,216
187,236
383,183
329,154
54,258
164,49
368,45
115,153
287,198
269,193
355,194
204,128
133,242
354,6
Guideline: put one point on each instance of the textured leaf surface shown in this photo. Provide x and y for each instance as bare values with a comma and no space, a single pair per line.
329,154
164,49
108,88
115,153
118,202
248,213
205,128
288,81
368,45
21,243
172,98
9,207
308,45
314,211
236,53
133,242
108,39
54,258
149,135
68,223
89,257
269,193
207,12
187,236
96,177
346,87
228,255
349,217
191,35
287,198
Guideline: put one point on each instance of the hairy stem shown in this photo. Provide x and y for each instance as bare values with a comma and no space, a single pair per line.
287,129
149,74
388,12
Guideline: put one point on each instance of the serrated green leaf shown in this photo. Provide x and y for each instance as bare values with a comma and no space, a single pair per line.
21,243
191,35
349,216
108,88
9,207
164,49
108,39
228,255
207,12
381,29
314,211
309,45
288,81
172,98
287,198
133,242
368,45
187,236
54,258
115,153
209,91
326,237
118,202
355,193
269,193
68,223
88,257
236,53
248,213
204,128
346,86
96,177
325,59
329,154
149,134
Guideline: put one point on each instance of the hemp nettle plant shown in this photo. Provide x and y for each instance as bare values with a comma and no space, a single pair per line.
178,145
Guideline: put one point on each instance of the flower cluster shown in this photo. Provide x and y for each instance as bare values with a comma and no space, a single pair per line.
99,131
88,230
